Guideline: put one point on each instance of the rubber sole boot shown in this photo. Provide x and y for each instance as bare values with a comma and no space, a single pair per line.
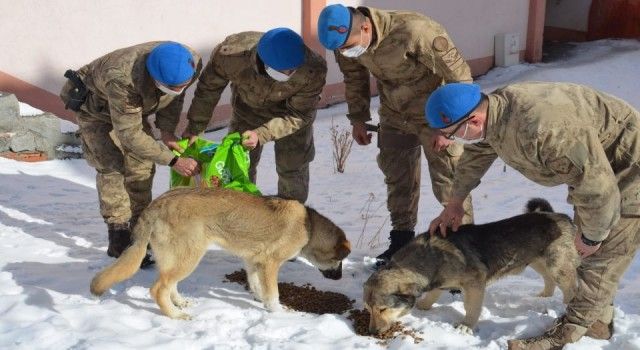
602,328
398,240
119,239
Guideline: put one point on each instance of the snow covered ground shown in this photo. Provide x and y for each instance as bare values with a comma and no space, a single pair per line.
52,242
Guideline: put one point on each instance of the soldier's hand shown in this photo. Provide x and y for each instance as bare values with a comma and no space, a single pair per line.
250,139
171,141
360,133
192,137
583,249
440,143
451,216
186,167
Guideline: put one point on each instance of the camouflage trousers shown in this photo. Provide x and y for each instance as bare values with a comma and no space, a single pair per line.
400,141
123,179
600,273
293,154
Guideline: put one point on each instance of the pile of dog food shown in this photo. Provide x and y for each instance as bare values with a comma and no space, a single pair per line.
307,298
360,319
304,298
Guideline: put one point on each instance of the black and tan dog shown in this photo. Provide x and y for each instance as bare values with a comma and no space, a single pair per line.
469,260
263,231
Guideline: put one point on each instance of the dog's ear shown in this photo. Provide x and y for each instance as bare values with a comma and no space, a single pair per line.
409,289
399,300
343,248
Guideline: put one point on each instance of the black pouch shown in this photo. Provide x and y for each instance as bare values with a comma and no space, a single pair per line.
78,94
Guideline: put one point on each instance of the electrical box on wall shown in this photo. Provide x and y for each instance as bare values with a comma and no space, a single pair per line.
507,49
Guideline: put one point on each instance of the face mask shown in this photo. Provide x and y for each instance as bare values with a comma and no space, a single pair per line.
168,91
356,50
464,141
276,75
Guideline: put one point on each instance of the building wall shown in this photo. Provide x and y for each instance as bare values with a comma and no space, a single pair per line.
566,20
471,24
41,39
568,14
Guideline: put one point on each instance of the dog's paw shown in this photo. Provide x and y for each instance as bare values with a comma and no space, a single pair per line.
182,316
182,303
545,294
274,307
464,329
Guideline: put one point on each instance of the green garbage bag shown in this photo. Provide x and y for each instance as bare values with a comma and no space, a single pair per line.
201,150
230,165
227,161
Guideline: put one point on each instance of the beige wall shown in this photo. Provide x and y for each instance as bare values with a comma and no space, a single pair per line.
471,24
568,14
42,38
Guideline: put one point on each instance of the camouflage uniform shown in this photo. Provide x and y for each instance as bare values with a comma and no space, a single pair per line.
410,56
559,133
277,111
116,136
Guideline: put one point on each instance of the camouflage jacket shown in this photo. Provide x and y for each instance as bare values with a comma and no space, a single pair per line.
560,133
410,56
123,93
275,109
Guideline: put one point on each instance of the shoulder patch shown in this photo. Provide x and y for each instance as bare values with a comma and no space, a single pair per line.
233,50
440,44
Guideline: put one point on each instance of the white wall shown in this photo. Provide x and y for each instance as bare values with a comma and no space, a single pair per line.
568,14
471,24
42,38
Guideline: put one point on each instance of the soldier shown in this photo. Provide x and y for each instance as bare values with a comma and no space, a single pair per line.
410,55
556,133
276,82
112,97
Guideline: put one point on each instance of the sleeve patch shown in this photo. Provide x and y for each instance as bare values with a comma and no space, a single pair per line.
440,44
452,58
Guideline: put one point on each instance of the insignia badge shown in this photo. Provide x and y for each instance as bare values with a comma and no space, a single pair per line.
445,119
339,29
440,44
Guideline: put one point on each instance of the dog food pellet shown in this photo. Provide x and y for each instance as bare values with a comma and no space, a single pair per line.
304,298
360,319
307,298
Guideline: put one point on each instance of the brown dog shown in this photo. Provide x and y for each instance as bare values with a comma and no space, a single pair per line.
264,231
469,260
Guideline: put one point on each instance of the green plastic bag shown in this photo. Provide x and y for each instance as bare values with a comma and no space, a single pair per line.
230,164
228,161
201,150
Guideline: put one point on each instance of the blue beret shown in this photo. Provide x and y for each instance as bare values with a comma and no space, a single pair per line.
334,26
171,64
281,48
450,103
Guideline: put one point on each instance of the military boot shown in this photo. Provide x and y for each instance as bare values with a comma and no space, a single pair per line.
563,332
399,239
603,327
119,239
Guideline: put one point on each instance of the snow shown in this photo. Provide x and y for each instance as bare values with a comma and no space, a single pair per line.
53,240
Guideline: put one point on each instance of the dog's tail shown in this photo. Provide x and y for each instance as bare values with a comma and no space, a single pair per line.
538,205
129,261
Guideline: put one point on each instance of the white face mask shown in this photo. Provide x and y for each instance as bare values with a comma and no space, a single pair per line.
464,141
168,91
277,75
356,50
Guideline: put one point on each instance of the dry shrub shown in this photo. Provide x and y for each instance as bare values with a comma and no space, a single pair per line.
342,142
